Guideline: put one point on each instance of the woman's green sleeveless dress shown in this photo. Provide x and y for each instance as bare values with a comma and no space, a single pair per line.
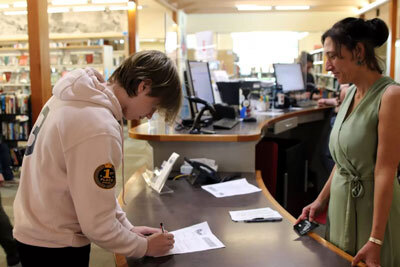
353,145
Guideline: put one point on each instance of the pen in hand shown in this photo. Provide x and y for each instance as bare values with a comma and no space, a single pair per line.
162,227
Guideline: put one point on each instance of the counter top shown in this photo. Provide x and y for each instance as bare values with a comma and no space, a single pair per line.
247,244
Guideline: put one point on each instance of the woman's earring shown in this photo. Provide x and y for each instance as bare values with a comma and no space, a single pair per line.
359,62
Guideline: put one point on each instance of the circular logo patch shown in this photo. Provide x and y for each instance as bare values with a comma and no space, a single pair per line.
104,176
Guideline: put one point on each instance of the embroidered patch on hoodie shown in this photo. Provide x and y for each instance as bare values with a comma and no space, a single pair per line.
104,176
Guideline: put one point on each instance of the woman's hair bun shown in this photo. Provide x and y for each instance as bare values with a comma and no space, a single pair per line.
379,31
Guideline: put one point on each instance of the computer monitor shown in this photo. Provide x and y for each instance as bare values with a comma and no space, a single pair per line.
229,92
199,80
289,76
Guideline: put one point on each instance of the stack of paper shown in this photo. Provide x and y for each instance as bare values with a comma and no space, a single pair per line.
232,188
255,215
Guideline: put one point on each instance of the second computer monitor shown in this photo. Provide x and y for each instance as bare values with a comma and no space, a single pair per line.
199,80
289,76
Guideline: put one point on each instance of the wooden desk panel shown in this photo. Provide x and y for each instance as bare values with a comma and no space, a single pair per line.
247,244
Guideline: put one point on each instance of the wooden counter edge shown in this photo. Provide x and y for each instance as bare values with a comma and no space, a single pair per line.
289,217
223,137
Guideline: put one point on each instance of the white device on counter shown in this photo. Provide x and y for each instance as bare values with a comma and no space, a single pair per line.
156,179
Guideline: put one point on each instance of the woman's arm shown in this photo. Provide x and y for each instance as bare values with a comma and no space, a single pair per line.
388,157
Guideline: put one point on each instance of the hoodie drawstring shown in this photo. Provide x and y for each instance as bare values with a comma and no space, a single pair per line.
123,165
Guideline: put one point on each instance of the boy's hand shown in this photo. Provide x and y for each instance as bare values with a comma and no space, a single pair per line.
159,244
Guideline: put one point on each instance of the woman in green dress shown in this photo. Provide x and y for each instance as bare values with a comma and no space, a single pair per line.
362,191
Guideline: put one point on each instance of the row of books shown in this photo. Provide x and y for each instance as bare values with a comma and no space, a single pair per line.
17,60
12,103
15,77
15,130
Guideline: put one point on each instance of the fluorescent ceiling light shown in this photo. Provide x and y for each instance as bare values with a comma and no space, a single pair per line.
292,7
88,8
118,7
370,6
57,10
20,4
252,7
68,2
109,1
4,6
19,12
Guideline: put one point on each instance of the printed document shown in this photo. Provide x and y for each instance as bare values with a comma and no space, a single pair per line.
194,238
263,214
271,112
231,188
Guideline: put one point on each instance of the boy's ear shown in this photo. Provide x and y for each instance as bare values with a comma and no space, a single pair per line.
141,87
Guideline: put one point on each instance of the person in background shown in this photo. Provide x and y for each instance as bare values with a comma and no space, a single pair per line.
66,196
6,238
311,88
362,192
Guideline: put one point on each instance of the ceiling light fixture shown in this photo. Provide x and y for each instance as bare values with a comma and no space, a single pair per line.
252,8
4,6
20,4
88,8
292,7
68,2
370,6
109,1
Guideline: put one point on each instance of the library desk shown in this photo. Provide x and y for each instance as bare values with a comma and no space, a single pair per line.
233,150
247,244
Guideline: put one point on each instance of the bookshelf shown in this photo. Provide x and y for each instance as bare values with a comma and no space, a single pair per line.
325,81
65,54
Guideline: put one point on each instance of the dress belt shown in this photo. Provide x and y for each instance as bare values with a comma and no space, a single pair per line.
356,191
356,182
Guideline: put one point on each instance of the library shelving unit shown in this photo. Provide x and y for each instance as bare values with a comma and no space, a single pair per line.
102,52
325,81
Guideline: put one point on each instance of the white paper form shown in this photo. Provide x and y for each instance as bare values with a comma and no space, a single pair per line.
194,238
263,214
231,188
271,112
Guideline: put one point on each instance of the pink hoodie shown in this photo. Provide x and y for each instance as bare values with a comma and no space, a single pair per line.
58,202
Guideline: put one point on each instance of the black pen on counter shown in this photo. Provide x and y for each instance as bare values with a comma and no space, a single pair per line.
263,220
162,227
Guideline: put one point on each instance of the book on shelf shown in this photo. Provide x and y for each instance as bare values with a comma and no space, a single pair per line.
16,130
12,103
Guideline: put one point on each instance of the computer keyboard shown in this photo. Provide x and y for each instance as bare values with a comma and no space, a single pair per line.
225,123
306,103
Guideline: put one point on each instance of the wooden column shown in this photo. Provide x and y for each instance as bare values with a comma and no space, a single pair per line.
175,16
38,35
132,27
132,37
393,29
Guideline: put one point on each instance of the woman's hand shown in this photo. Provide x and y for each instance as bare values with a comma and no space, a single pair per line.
370,253
312,210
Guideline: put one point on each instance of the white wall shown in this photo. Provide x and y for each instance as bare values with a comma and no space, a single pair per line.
273,21
310,42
